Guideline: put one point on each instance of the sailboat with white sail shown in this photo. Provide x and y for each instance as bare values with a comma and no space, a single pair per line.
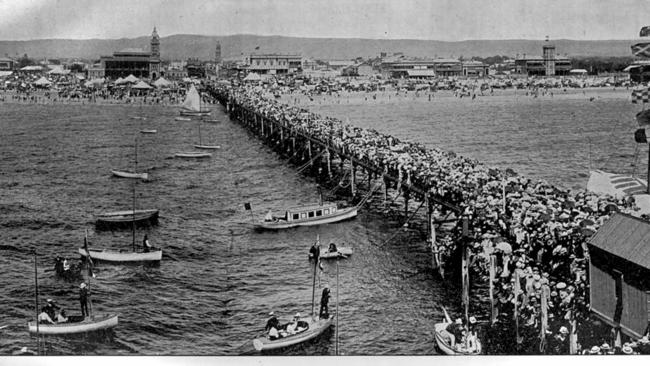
192,104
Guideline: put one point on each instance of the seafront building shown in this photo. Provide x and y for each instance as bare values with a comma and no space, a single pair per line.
549,64
274,64
132,61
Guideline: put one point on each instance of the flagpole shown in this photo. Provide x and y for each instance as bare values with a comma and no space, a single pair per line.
38,345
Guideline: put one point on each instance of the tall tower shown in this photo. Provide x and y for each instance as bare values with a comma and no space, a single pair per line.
155,45
548,53
154,60
217,54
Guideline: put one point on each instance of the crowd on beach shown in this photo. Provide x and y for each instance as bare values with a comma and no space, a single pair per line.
531,235
69,89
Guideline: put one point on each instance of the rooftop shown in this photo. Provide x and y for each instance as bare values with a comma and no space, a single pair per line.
626,237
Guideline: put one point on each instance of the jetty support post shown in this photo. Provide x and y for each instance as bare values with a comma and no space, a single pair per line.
353,173
407,197
329,162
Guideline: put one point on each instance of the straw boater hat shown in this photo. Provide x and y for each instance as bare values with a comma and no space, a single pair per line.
627,350
594,350
83,285
605,347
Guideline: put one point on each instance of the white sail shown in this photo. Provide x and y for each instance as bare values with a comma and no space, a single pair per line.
192,100
617,185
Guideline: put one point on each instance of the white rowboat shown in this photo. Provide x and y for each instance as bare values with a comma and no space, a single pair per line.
315,328
117,173
192,155
122,256
182,119
340,253
76,324
148,131
120,217
208,147
446,348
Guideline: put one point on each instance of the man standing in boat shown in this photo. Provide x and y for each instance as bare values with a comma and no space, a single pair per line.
83,299
146,247
324,301
314,251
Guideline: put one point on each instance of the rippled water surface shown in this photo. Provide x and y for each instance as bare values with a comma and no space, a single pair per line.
218,279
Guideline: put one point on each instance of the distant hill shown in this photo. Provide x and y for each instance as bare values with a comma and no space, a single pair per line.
179,47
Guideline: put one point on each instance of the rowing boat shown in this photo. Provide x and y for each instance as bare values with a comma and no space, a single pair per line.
445,346
117,173
76,324
314,328
182,119
308,216
339,253
192,155
148,131
207,147
127,217
443,341
122,256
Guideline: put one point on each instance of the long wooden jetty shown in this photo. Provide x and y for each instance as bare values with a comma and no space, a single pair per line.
319,155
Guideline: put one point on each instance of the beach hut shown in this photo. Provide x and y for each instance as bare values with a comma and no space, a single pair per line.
42,82
619,268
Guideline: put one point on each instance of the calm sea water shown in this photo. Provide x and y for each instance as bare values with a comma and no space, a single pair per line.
218,279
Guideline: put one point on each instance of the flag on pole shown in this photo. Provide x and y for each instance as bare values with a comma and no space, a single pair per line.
645,31
90,260
641,49
247,206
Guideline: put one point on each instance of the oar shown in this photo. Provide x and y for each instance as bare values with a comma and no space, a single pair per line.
447,318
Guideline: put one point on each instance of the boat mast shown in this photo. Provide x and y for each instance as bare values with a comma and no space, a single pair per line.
38,346
313,286
337,307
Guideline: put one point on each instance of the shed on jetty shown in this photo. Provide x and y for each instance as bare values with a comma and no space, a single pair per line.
619,273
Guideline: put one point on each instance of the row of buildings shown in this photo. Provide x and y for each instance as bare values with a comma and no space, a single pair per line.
148,64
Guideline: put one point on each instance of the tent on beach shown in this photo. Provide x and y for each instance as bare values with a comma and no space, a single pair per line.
141,85
131,79
161,83
253,77
42,82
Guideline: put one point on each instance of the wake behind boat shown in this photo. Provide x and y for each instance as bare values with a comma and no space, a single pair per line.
76,324
308,215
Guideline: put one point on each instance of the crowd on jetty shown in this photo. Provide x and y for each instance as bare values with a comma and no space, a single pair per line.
537,237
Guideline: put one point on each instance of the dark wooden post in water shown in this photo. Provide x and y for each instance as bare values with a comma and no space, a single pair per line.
465,267
38,340
407,197
353,176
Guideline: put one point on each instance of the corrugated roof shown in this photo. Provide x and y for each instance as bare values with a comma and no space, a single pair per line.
625,236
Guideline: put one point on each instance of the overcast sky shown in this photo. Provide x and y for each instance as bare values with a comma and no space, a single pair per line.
448,20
